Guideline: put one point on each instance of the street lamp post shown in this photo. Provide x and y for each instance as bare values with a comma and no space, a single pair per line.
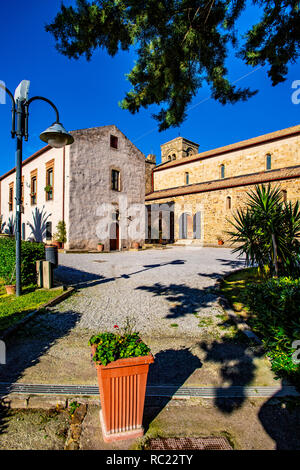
55,136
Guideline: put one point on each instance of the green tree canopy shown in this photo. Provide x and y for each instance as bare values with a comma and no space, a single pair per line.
180,44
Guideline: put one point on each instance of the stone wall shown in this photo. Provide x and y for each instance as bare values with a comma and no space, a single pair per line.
178,149
284,153
149,167
214,208
91,160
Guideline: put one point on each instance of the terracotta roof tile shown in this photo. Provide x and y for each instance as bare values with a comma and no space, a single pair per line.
253,178
232,147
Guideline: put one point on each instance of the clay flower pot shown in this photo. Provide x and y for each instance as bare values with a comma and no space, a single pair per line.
135,245
100,247
56,243
10,289
220,242
122,387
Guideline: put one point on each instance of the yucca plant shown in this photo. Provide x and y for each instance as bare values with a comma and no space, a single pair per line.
266,230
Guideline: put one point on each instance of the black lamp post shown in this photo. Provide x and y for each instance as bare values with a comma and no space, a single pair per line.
55,136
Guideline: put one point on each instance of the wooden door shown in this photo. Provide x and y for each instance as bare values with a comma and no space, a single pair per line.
114,237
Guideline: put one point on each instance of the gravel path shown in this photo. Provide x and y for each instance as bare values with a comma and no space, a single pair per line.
164,290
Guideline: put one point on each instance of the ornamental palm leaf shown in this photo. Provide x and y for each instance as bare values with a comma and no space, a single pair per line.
39,225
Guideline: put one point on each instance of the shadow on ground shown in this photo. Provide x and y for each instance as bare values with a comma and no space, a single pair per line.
188,300
82,279
25,348
77,277
236,359
171,368
281,423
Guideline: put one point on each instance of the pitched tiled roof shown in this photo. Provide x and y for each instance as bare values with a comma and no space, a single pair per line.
232,147
29,159
253,178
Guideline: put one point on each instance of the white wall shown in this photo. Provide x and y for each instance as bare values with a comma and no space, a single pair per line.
52,208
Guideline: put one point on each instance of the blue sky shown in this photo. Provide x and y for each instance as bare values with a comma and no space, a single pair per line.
87,93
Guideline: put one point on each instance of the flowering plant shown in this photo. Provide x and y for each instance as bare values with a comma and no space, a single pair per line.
118,345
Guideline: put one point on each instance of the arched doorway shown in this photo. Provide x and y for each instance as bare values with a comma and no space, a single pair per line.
185,226
197,226
114,239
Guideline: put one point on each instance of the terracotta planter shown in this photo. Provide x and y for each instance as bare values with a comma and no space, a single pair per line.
135,245
100,247
220,242
11,289
122,387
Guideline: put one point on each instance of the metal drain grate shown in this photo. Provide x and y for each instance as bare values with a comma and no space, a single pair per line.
189,443
153,390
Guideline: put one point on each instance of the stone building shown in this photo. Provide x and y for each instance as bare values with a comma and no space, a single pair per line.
96,186
194,193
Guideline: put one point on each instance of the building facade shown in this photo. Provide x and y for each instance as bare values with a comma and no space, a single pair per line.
197,192
96,186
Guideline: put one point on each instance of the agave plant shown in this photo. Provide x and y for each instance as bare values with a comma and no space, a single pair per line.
2,224
11,226
39,225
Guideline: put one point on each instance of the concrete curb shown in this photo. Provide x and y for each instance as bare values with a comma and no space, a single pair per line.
24,320
45,402
224,304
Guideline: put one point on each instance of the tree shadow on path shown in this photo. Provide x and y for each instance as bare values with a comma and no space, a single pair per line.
172,368
237,369
186,300
281,423
27,345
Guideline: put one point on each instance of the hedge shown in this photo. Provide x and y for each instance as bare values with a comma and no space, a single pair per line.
275,316
31,252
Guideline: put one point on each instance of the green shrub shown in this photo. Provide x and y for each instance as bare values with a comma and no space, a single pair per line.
111,347
275,316
61,232
31,252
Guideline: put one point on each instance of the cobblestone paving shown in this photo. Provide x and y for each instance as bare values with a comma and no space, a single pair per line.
165,290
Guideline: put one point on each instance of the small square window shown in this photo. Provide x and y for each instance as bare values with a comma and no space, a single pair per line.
114,141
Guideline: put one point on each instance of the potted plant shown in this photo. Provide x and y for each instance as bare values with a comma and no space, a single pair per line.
122,360
48,188
220,240
60,237
100,246
10,287
135,245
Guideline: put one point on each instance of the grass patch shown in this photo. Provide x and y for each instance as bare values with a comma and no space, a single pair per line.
174,325
272,309
205,322
13,309
234,288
